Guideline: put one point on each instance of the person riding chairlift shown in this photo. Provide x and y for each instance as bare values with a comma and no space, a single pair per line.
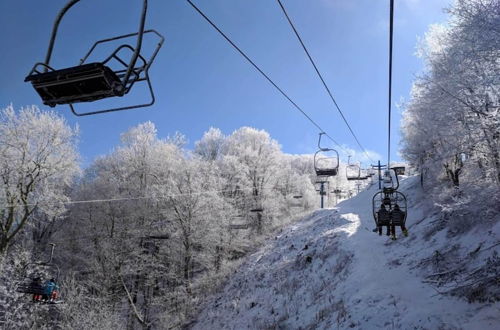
50,290
383,216
36,285
398,216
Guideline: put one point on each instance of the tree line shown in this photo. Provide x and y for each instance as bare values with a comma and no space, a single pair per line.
146,232
451,125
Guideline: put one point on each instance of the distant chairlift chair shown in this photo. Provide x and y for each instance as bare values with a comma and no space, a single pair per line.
30,285
326,160
400,170
88,82
363,174
353,172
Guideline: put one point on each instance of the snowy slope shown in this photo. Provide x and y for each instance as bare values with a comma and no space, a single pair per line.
330,271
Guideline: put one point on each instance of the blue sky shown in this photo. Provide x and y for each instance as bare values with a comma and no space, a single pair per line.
200,81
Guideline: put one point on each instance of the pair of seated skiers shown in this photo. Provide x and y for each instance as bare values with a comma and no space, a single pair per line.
48,292
391,219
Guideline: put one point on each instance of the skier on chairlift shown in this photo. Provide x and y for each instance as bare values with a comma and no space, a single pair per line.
398,217
50,290
383,219
36,285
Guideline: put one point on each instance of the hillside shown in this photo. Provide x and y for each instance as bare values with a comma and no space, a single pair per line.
331,271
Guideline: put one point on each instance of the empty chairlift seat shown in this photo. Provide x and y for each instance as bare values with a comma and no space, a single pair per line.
326,161
90,82
83,83
353,172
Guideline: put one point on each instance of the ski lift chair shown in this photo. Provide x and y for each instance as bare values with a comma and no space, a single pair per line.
389,198
296,201
353,172
363,175
326,160
399,170
30,285
88,82
326,165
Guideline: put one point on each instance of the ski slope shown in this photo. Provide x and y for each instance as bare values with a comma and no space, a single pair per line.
330,271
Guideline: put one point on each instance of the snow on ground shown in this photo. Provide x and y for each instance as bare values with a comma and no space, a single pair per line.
330,271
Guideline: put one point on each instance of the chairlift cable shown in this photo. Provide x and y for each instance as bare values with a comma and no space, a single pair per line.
323,80
391,29
263,73
90,201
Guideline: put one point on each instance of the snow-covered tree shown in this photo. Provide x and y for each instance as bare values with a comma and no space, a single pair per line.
159,231
211,145
38,161
451,125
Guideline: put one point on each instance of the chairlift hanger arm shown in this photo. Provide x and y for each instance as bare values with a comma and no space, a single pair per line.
59,17
65,9
138,46
397,179
319,140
